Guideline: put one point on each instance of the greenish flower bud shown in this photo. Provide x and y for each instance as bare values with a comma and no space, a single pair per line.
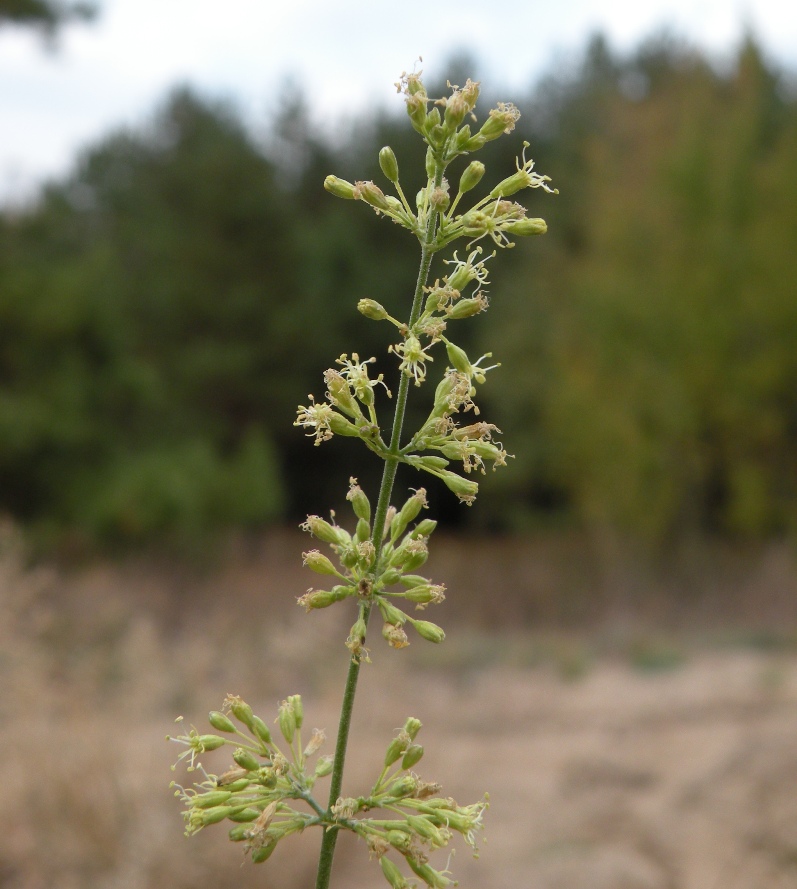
431,165
408,513
239,833
389,577
295,702
429,463
240,710
474,143
323,767
388,163
372,194
214,815
261,730
211,742
372,309
220,722
526,227
263,853
340,394
433,878
339,425
395,749
416,109
316,599
432,123
424,528
392,874
363,531
471,177
427,630
405,786
340,188
458,358
287,721
467,308
390,613
211,799
412,756
246,760
318,562
236,786
456,109
465,489
412,726
243,816
463,137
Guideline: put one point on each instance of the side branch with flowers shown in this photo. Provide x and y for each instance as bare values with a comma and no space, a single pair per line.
268,791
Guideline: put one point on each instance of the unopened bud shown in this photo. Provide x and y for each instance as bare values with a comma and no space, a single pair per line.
220,722
388,163
261,730
340,188
424,528
242,816
263,853
246,760
392,873
466,308
412,756
458,358
412,726
409,511
429,631
295,702
240,710
372,309
471,177
287,721
526,227
372,194
213,798
396,749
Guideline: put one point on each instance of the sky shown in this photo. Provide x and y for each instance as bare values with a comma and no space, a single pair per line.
344,54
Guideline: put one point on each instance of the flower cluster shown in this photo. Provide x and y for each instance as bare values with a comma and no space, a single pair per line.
260,790
375,580
348,391
256,793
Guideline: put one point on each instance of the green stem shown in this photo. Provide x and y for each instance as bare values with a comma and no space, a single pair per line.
385,492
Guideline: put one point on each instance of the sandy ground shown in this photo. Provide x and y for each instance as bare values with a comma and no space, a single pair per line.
606,769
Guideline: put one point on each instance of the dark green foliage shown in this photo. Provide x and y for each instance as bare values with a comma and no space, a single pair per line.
164,310
46,14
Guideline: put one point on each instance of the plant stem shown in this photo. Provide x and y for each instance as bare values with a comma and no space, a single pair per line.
385,492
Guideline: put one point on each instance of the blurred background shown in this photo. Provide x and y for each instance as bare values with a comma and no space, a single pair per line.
621,666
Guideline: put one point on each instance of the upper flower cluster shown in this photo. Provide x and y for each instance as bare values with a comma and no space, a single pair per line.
448,137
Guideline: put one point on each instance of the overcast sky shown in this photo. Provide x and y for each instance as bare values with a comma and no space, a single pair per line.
344,53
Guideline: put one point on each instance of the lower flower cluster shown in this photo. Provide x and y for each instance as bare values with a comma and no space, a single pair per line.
260,790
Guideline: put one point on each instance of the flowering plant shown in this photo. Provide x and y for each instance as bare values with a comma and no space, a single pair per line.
267,793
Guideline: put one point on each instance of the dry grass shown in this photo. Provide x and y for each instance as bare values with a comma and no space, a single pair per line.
627,758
